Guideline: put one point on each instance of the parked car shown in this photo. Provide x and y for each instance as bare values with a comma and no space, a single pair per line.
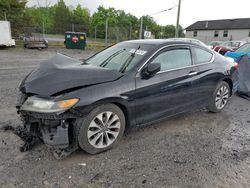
241,51
228,46
68,103
212,44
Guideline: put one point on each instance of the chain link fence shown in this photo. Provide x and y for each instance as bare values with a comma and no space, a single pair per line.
98,34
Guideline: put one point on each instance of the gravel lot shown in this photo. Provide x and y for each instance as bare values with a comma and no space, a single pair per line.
197,149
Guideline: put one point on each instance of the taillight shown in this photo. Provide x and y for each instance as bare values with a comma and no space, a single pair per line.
236,66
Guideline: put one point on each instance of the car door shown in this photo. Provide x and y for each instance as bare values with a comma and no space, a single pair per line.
208,75
171,90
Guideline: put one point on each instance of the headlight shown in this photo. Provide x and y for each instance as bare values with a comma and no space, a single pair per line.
36,104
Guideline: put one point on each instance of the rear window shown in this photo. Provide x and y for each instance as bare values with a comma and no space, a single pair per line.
202,56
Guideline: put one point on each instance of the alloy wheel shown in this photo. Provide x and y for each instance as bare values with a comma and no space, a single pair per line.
222,96
104,129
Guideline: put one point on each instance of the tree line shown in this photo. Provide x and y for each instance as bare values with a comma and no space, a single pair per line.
59,18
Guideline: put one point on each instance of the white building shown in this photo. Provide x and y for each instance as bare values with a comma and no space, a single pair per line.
220,30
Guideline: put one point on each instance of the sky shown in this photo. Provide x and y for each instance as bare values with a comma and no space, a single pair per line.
191,10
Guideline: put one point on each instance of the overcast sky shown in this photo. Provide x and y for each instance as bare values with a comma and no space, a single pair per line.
191,10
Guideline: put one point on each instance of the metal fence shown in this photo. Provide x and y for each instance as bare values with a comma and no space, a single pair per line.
102,35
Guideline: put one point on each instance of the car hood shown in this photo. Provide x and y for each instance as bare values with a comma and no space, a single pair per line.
236,55
62,73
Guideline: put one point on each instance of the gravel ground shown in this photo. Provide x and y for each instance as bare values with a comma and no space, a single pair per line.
197,149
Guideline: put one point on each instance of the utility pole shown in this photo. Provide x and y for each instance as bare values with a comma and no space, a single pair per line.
95,33
130,31
5,17
106,33
141,30
43,31
178,19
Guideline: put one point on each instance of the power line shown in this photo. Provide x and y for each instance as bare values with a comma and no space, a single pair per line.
163,11
141,25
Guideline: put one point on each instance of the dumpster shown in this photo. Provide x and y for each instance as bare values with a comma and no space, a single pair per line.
75,40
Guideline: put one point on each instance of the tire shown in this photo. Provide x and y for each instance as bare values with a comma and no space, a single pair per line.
220,97
102,129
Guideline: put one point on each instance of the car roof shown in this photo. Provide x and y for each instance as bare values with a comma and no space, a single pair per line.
163,41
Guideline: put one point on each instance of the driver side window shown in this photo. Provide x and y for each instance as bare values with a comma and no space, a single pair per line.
174,59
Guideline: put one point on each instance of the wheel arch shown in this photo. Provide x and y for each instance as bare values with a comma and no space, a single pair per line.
230,83
119,102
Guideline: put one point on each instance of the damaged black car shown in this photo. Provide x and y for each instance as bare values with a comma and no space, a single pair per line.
69,103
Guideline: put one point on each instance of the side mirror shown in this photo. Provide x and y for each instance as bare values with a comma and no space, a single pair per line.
151,70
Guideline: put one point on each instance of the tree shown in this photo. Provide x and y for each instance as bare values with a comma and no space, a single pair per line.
99,19
148,23
134,25
121,30
61,18
181,31
13,10
120,24
81,16
39,16
169,31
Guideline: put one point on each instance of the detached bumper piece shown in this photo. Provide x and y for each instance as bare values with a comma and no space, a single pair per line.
56,136
60,139
57,133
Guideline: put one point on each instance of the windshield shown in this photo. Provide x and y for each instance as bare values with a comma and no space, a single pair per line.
120,57
244,48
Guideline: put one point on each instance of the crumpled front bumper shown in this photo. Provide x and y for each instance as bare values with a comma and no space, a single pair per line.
51,128
57,133
57,130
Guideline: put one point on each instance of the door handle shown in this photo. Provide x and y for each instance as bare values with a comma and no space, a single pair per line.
192,73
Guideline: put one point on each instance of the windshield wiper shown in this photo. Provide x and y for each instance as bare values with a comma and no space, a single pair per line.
128,61
104,63
83,62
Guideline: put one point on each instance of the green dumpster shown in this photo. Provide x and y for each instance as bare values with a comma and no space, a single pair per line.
75,40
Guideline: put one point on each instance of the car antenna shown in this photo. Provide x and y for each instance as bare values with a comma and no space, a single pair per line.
133,54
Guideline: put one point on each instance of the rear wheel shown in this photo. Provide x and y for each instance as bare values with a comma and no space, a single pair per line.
220,97
101,129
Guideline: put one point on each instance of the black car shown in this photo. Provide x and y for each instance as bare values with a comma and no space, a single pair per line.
69,103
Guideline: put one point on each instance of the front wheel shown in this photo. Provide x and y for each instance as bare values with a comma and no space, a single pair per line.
101,129
220,97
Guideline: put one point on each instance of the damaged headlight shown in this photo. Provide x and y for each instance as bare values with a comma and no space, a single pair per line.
36,104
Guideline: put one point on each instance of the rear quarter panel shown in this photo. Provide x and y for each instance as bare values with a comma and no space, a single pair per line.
210,75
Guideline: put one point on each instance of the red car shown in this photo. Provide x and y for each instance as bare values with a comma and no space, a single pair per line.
228,46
